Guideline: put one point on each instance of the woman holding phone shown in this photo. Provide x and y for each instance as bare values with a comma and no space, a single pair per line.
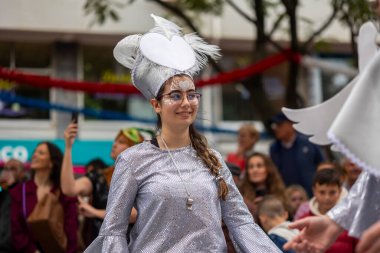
95,184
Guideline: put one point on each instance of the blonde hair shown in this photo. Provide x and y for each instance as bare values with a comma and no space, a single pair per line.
271,206
295,188
251,129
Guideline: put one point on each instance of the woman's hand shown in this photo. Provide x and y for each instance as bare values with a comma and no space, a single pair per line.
317,234
88,210
369,242
70,134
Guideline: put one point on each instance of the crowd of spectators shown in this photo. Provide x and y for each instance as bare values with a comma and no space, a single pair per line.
290,182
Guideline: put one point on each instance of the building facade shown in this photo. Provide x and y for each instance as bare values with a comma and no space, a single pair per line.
55,39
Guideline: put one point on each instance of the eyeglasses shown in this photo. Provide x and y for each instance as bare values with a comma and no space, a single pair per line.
176,97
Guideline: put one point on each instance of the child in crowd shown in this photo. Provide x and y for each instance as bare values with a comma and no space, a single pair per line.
295,196
327,188
273,219
304,208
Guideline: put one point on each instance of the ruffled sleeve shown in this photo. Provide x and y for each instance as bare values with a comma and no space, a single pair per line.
123,190
245,234
361,208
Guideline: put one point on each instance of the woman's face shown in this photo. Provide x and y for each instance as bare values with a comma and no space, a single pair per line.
179,103
41,158
257,172
119,145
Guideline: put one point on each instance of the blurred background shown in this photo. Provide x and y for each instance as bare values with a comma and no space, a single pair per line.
56,58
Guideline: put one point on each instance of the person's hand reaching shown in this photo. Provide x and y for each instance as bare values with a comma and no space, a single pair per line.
317,234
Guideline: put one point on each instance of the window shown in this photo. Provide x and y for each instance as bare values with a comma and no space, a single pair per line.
99,65
33,58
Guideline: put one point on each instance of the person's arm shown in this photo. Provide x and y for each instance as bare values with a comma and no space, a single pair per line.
133,216
369,242
317,234
89,211
123,191
245,234
71,186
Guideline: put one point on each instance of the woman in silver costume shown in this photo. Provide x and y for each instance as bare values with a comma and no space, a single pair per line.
181,188
359,212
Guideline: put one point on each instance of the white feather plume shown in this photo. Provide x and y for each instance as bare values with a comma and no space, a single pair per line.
202,50
165,27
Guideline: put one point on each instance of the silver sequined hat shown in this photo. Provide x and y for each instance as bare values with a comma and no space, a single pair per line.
161,53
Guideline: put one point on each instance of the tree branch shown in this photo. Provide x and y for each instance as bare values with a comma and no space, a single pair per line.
323,27
241,12
276,25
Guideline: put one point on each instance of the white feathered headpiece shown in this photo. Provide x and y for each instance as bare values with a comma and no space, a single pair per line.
161,53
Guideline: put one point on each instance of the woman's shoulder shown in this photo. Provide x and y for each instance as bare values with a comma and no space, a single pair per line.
132,157
137,149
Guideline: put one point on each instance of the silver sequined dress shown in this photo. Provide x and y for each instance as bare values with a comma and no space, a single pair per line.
361,208
146,178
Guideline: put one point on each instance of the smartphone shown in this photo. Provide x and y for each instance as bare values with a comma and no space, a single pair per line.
74,117
261,193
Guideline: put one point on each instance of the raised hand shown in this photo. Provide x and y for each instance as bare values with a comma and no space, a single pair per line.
317,234
70,134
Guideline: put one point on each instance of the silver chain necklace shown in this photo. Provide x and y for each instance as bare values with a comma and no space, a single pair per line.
189,200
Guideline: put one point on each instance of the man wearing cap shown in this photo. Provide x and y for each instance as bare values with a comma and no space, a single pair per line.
295,157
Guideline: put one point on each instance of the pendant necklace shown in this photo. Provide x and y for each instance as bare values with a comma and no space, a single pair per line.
189,200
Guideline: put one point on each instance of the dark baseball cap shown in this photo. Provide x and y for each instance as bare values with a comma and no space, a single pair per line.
278,118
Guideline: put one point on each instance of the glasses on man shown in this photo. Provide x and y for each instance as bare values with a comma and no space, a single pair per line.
176,97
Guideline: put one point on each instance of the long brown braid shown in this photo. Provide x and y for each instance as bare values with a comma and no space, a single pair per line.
199,143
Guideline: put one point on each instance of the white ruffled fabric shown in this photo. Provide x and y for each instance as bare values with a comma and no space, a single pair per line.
355,131
351,119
